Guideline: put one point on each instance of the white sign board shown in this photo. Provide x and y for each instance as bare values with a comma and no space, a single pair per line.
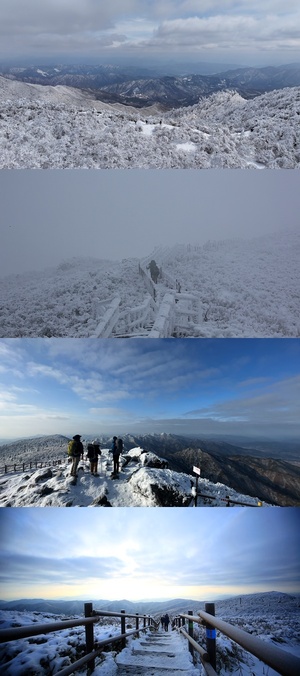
196,470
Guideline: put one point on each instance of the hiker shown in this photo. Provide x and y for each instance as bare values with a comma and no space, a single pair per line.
75,450
167,620
93,452
162,619
154,271
115,449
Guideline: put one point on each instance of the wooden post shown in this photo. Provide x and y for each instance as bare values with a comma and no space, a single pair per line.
197,479
89,636
211,636
137,621
191,633
144,620
123,628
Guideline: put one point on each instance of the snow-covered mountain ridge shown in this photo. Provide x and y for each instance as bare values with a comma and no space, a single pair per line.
243,288
245,604
172,87
144,481
156,469
44,129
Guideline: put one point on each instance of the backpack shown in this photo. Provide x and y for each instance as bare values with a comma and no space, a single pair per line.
74,448
70,447
120,445
91,451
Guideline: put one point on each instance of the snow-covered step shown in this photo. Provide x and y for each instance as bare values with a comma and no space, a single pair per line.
163,653
151,671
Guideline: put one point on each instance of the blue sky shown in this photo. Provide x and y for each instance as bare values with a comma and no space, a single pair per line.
232,31
148,553
89,386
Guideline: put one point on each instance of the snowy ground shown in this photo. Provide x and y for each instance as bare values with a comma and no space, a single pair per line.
139,485
54,129
273,617
244,289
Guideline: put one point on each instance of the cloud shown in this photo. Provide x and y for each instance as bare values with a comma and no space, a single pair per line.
150,546
237,32
55,570
277,402
89,27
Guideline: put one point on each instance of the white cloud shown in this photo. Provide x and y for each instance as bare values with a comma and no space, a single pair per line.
85,26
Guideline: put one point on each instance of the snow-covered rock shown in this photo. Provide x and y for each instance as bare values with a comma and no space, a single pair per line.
138,484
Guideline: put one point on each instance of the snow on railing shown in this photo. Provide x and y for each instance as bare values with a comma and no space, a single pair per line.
281,661
188,316
91,617
115,323
178,314
100,306
164,323
138,317
150,286
109,320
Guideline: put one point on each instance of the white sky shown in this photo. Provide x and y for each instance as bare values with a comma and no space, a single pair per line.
48,216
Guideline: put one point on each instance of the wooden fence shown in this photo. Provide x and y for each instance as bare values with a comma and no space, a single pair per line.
281,661
32,464
88,621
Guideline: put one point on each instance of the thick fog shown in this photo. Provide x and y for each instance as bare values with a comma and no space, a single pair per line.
50,216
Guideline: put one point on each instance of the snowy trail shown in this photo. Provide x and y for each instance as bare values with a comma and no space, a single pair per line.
155,654
244,288
139,484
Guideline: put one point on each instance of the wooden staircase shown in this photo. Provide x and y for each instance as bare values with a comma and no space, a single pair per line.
156,654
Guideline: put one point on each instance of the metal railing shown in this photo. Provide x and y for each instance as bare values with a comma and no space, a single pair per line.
281,661
92,649
227,499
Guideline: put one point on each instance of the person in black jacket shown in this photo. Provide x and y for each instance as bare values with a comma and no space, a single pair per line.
93,453
167,621
76,453
117,447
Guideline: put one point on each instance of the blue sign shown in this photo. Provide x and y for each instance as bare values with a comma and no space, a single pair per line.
211,633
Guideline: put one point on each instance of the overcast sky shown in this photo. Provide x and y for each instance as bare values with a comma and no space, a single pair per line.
90,386
48,216
148,553
254,32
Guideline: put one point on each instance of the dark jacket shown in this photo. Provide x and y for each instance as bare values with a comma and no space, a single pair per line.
77,448
93,451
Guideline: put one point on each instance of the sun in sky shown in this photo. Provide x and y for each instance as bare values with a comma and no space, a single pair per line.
148,553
